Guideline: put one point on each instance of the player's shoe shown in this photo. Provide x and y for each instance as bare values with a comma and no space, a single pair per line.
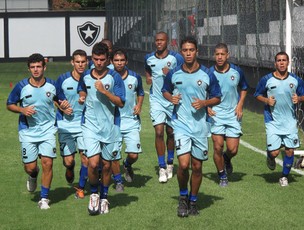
119,187
223,182
170,168
163,176
193,211
69,175
104,206
79,194
129,174
283,181
44,203
182,209
228,164
94,204
271,163
299,162
31,183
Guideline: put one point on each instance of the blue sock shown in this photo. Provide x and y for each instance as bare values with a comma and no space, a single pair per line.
222,174
83,176
127,163
269,155
94,188
287,164
170,157
117,178
183,192
104,194
192,197
44,193
162,162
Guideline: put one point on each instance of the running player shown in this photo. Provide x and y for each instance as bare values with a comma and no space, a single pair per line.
69,120
226,117
102,91
157,65
191,88
281,91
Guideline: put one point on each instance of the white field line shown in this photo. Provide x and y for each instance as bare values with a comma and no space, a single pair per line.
278,161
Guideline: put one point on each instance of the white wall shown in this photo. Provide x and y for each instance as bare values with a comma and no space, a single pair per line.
23,5
1,38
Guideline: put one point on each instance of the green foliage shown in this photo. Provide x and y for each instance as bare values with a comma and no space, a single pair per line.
90,3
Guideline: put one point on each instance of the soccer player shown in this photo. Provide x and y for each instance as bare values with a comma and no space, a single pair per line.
33,98
157,65
280,91
191,88
102,91
69,121
226,117
130,122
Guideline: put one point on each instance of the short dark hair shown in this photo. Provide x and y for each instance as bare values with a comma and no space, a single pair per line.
221,46
80,53
36,57
100,48
108,42
281,53
120,51
188,39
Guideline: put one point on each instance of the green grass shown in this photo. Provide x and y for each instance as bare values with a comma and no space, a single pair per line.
253,199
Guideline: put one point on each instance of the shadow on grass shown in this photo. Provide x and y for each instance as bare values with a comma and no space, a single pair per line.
234,177
57,195
204,201
121,199
273,177
138,181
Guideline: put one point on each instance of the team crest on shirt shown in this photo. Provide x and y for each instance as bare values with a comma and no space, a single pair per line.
295,141
114,154
107,86
205,153
232,78
48,94
291,85
199,82
168,64
138,146
130,86
54,150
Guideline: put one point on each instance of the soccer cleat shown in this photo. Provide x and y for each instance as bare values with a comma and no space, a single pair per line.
170,168
31,183
104,206
79,194
129,174
228,165
94,204
193,211
182,209
44,203
69,175
271,163
299,162
223,182
283,181
163,177
119,187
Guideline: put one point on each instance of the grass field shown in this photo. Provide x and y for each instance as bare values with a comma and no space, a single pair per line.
253,199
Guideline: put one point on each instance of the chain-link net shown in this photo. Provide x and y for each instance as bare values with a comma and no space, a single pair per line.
254,30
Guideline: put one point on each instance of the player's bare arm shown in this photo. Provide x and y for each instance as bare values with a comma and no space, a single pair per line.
240,105
27,111
198,104
82,97
267,101
148,78
137,107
